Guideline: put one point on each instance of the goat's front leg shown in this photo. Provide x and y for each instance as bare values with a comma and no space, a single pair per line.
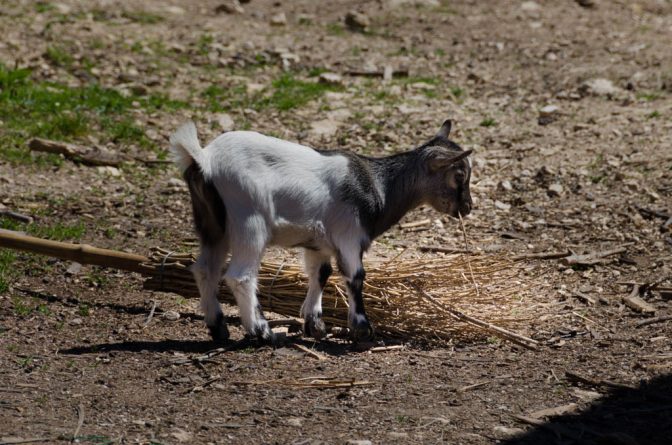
207,272
350,264
318,268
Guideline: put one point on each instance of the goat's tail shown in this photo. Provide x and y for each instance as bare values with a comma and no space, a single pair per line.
185,147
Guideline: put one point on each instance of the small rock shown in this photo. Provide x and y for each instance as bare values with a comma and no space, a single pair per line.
230,7
171,315
502,206
225,122
74,268
508,431
397,435
175,10
331,79
324,128
279,19
506,185
182,435
548,114
599,87
294,421
76,321
549,110
530,6
109,170
358,442
357,21
555,189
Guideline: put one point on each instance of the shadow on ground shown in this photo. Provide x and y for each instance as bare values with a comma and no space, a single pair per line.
640,416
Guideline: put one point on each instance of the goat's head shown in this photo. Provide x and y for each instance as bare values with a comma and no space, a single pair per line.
448,173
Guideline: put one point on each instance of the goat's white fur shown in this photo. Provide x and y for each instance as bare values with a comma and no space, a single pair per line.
275,192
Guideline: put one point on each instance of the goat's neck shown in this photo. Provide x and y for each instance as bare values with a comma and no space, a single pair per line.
397,178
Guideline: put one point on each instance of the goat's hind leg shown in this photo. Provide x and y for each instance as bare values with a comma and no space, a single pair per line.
350,264
207,271
318,268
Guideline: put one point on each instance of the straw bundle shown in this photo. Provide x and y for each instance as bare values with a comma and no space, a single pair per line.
489,286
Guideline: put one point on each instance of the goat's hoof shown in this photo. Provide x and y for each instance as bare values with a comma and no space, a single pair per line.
361,330
219,332
264,334
314,327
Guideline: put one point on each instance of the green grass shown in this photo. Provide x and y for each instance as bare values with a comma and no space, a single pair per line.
488,122
289,93
57,232
30,108
7,258
142,17
59,56
335,29
653,115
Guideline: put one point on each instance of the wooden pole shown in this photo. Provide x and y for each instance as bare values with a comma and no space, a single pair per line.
81,253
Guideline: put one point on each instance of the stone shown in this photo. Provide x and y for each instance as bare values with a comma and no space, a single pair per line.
109,170
549,110
323,128
358,442
555,189
599,87
74,268
506,431
279,19
225,122
357,21
506,185
530,6
502,206
76,321
586,3
294,421
171,315
230,7
331,79
176,10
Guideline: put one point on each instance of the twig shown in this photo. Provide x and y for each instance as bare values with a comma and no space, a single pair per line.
654,321
466,247
386,348
10,441
473,386
500,332
310,352
635,302
592,258
151,313
395,73
16,216
444,250
541,256
419,223
80,422
573,376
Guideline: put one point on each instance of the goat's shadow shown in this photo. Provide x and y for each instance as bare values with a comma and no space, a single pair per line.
639,416
328,347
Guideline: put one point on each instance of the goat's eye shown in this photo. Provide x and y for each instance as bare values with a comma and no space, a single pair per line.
460,177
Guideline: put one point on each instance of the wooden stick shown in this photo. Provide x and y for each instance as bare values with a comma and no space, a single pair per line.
654,321
541,256
81,253
444,250
500,332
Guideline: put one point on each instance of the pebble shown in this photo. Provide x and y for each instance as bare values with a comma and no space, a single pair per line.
331,79
555,189
549,110
109,170
508,431
358,442
357,21
506,185
171,315
225,122
175,10
530,6
76,321
599,87
323,128
294,421
279,19
502,206
230,7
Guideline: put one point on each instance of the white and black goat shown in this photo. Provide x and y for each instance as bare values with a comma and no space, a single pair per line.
249,191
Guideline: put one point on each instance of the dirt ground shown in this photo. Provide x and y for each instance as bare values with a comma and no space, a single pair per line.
591,173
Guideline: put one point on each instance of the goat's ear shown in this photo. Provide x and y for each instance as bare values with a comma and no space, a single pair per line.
444,131
442,161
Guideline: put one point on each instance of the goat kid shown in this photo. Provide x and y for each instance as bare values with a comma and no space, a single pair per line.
249,191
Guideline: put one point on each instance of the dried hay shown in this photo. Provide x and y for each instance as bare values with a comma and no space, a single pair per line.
491,287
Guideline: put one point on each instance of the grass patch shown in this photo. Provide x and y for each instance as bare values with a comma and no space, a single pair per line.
488,122
59,56
32,108
142,17
335,29
289,93
57,232
653,115
7,258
